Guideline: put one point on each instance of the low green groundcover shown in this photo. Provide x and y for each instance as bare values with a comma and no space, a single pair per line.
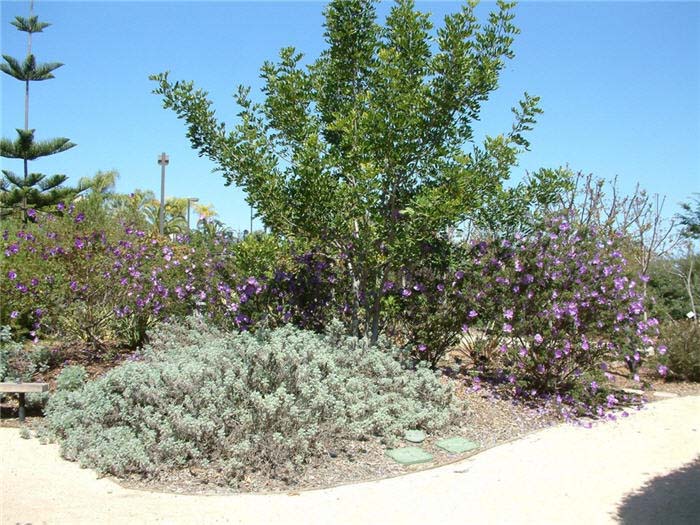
235,403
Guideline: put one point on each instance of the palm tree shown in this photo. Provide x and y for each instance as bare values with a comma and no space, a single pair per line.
102,183
174,217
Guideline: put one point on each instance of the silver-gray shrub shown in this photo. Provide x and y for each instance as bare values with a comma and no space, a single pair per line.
234,403
71,378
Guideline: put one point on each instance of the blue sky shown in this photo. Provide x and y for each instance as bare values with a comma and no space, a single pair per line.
619,82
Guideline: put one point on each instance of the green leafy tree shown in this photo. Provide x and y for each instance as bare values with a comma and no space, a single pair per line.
690,218
521,208
32,190
370,150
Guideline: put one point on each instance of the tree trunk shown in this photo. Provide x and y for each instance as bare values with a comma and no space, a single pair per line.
689,284
26,120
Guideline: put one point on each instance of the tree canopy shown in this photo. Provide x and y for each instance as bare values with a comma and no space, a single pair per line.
370,149
30,190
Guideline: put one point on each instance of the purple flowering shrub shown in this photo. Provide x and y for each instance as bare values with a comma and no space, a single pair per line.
67,275
550,313
424,309
83,278
304,290
564,306
64,276
551,310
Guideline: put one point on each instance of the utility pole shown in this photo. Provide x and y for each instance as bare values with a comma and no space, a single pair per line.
163,161
189,201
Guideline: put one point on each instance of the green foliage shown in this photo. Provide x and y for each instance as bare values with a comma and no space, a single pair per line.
670,281
70,273
29,70
682,357
690,218
369,151
30,191
519,209
71,378
260,254
42,359
34,190
238,403
10,353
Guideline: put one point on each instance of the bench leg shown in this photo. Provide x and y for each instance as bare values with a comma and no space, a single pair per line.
21,407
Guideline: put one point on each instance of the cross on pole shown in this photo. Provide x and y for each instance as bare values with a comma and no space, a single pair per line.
163,161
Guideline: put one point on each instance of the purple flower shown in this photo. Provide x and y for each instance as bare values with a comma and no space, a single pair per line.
421,348
459,275
508,314
406,292
662,349
538,339
12,275
80,217
594,387
663,370
472,314
507,328
388,285
14,314
31,213
79,244
60,206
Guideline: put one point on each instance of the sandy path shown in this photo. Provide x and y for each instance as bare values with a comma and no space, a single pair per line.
564,474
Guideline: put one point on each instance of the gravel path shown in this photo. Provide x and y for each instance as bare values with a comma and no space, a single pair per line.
641,469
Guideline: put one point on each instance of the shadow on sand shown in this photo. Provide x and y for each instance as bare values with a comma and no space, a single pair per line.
673,499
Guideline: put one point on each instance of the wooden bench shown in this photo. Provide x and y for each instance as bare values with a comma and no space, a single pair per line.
21,389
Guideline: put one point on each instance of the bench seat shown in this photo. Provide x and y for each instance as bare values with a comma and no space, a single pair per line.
21,389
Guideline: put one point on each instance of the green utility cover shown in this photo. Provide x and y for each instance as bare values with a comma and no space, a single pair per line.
409,455
415,436
456,445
